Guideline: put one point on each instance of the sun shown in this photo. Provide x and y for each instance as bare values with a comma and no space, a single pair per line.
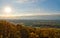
7,10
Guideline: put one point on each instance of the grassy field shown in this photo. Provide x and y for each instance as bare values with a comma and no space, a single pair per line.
11,30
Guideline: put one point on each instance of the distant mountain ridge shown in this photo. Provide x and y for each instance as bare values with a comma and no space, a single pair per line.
36,17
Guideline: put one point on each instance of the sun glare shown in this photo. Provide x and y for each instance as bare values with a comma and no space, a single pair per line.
7,10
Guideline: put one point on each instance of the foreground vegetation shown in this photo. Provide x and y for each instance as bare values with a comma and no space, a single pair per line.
10,30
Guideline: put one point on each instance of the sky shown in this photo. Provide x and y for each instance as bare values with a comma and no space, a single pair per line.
30,7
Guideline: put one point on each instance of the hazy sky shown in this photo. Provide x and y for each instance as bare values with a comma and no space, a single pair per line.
31,7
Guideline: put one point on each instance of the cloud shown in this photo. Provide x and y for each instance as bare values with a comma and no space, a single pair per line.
24,1
27,1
